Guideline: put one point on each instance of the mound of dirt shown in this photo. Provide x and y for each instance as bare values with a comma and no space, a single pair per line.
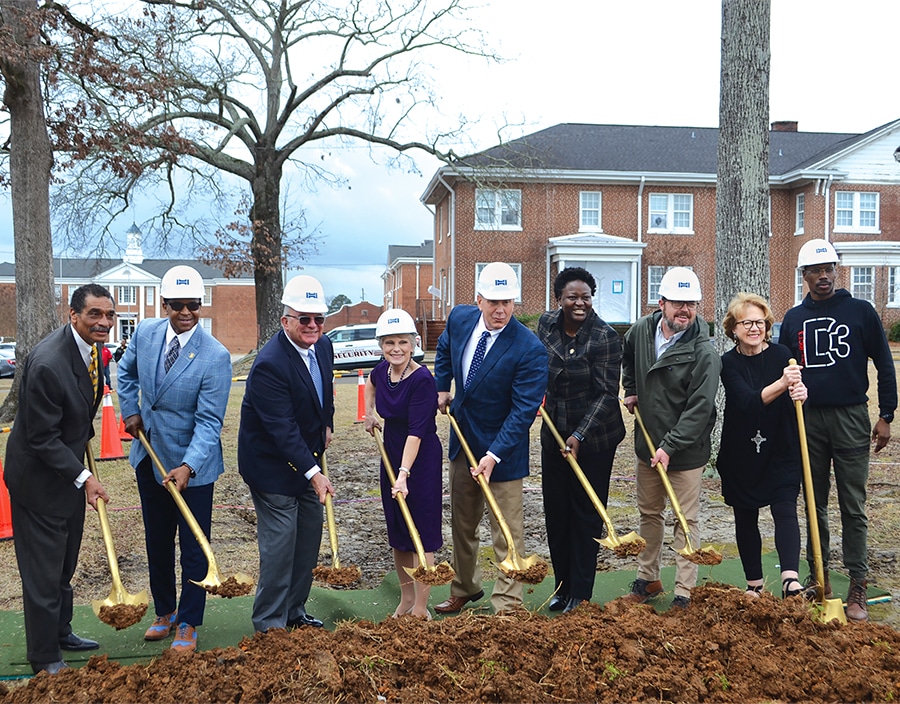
726,647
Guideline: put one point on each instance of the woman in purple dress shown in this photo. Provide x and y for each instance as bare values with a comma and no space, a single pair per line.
405,396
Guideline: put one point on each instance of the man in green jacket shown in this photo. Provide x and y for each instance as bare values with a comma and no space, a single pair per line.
671,370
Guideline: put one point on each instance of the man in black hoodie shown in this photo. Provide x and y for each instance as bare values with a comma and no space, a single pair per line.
834,335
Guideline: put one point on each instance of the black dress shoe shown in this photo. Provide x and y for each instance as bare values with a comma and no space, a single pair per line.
76,642
558,602
51,668
305,620
573,604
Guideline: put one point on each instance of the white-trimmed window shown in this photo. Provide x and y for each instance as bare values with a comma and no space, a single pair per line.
654,278
856,212
801,214
591,219
207,295
150,295
206,324
516,267
672,213
57,292
799,291
894,285
498,209
862,283
127,295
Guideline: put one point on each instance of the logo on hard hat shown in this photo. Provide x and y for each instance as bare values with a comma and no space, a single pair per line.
821,250
684,284
312,294
499,282
393,320
182,281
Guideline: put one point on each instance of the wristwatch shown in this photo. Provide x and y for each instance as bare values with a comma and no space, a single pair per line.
193,473
887,417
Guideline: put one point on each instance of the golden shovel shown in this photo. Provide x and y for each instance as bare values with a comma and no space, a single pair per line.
336,575
118,596
530,570
630,544
238,585
424,573
703,556
832,609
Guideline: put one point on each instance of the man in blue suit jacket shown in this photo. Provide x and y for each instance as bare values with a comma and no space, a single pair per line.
286,421
174,382
499,388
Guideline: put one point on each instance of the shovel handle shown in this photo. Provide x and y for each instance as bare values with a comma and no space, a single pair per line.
592,495
182,506
104,527
401,500
486,489
329,518
814,539
663,475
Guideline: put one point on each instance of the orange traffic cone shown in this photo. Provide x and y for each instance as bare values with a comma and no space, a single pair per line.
110,444
361,398
6,529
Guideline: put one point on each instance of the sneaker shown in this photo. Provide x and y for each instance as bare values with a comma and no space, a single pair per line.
857,606
810,584
185,638
161,627
681,602
642,590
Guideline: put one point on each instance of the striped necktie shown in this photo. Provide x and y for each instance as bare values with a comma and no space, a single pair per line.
316,374
172,353
93,370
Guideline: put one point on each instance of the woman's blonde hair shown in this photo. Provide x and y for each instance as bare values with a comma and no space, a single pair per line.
736,307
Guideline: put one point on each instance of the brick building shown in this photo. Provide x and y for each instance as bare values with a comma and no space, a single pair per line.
355,314
627,202
229,306
407,278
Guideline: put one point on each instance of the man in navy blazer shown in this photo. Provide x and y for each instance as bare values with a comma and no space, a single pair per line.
286,421
500,370
174,383
45,473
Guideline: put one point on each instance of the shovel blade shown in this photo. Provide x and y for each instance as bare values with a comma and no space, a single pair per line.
830,610
530,570
630,544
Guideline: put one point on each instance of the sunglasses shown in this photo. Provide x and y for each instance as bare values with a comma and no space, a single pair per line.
177,306
307,319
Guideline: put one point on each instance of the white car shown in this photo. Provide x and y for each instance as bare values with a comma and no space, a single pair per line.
356,347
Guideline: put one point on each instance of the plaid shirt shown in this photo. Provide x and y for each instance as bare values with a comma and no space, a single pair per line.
583,383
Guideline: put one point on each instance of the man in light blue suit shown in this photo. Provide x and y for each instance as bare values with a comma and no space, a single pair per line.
174,382
500,370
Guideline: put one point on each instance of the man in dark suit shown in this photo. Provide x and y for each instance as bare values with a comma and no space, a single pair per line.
48,483
287,417
500,369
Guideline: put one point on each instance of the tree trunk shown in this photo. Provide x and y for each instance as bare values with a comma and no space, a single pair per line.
265,245
30,164
742,185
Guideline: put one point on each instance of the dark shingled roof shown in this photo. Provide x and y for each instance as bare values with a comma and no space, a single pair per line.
635,148
415,251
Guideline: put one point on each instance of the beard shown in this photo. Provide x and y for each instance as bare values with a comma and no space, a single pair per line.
675,326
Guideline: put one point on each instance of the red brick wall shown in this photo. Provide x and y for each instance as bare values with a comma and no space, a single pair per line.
362,312
233,314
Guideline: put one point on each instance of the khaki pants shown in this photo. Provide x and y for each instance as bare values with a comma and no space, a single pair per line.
467,506
651,499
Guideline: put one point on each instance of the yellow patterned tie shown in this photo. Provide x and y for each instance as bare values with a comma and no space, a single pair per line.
92,369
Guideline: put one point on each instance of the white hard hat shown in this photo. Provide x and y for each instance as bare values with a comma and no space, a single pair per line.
395,321
182,282
680,284
816,252
498,282
304,293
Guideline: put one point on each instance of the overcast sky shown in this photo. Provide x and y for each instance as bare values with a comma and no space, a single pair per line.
646,62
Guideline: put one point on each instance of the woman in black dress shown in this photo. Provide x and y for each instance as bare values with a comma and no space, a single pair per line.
759,460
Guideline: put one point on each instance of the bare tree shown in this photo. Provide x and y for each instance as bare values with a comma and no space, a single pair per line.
30,163
200,95
742,184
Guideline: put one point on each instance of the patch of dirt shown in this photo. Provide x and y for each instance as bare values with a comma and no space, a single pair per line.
724,647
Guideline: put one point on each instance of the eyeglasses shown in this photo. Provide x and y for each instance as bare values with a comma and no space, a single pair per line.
306,319
177,306
818,270
678,305
748,324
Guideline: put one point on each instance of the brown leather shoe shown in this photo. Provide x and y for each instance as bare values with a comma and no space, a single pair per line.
642,590
454,604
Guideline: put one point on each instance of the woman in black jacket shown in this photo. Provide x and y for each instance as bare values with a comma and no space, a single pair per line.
585,360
